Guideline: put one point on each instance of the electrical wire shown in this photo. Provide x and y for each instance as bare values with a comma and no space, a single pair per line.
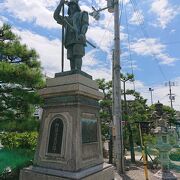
105,31
163,97
164,43
121,11
142,27
106,27
129,48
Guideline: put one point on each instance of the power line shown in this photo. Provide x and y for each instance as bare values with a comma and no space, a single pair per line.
142,25
163,98
129,47
105,31
121,11
163,43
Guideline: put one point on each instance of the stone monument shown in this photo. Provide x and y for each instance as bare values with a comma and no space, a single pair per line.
163,135
69,144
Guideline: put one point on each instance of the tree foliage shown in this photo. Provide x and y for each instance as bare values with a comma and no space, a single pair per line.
20,77
14,140
137,108
105,105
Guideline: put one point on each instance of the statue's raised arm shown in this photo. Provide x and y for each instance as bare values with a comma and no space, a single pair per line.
57,16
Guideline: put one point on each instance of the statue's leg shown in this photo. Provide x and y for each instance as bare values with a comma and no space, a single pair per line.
78,62
70,56
72,64
78,53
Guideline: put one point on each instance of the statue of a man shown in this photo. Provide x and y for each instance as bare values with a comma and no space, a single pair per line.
76,25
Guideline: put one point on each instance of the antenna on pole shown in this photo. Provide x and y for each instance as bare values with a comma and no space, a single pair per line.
171,96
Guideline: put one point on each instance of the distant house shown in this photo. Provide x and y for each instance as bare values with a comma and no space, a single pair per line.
178,115
178,123
38,113
39,110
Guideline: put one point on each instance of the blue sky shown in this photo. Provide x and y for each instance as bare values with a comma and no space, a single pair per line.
152,27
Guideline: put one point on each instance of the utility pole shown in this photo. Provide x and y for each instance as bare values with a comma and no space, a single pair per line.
117,114
113,6
151,90
131,142
171,96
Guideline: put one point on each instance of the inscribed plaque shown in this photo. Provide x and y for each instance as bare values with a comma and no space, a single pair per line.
55,138
89,130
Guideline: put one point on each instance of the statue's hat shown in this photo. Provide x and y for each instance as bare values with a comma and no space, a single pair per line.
75,2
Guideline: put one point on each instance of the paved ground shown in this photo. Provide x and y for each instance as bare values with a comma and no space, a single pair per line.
137,173
134,174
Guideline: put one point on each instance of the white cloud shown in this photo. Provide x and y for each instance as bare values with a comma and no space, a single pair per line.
50,51
3,20
99,72
1,23
32,11
137,18
164,11
172,31
152,47
40,13
138,85
160,93
103,38
90,59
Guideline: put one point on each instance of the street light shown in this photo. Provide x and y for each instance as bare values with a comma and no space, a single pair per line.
151,90
95,14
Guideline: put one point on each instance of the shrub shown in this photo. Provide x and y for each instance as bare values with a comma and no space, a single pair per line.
175,155
14,160
14,140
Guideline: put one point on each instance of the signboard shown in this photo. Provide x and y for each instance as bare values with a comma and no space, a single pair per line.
89,130
55,137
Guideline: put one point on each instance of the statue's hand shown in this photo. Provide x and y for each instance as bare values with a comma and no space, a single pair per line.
82,38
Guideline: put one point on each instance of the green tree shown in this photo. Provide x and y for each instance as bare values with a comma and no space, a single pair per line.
20,77
106,103
124,79
134,110
106,113
138,112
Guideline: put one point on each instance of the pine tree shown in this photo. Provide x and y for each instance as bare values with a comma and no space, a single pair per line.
20,77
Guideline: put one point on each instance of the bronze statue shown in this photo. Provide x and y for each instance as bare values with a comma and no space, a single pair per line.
76,25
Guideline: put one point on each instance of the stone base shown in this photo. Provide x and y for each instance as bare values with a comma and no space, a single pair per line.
100,172
165,175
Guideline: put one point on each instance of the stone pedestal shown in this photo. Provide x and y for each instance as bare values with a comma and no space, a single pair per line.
69,145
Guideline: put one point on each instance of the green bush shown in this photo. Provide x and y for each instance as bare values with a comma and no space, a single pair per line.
175,155
15,160
14,140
